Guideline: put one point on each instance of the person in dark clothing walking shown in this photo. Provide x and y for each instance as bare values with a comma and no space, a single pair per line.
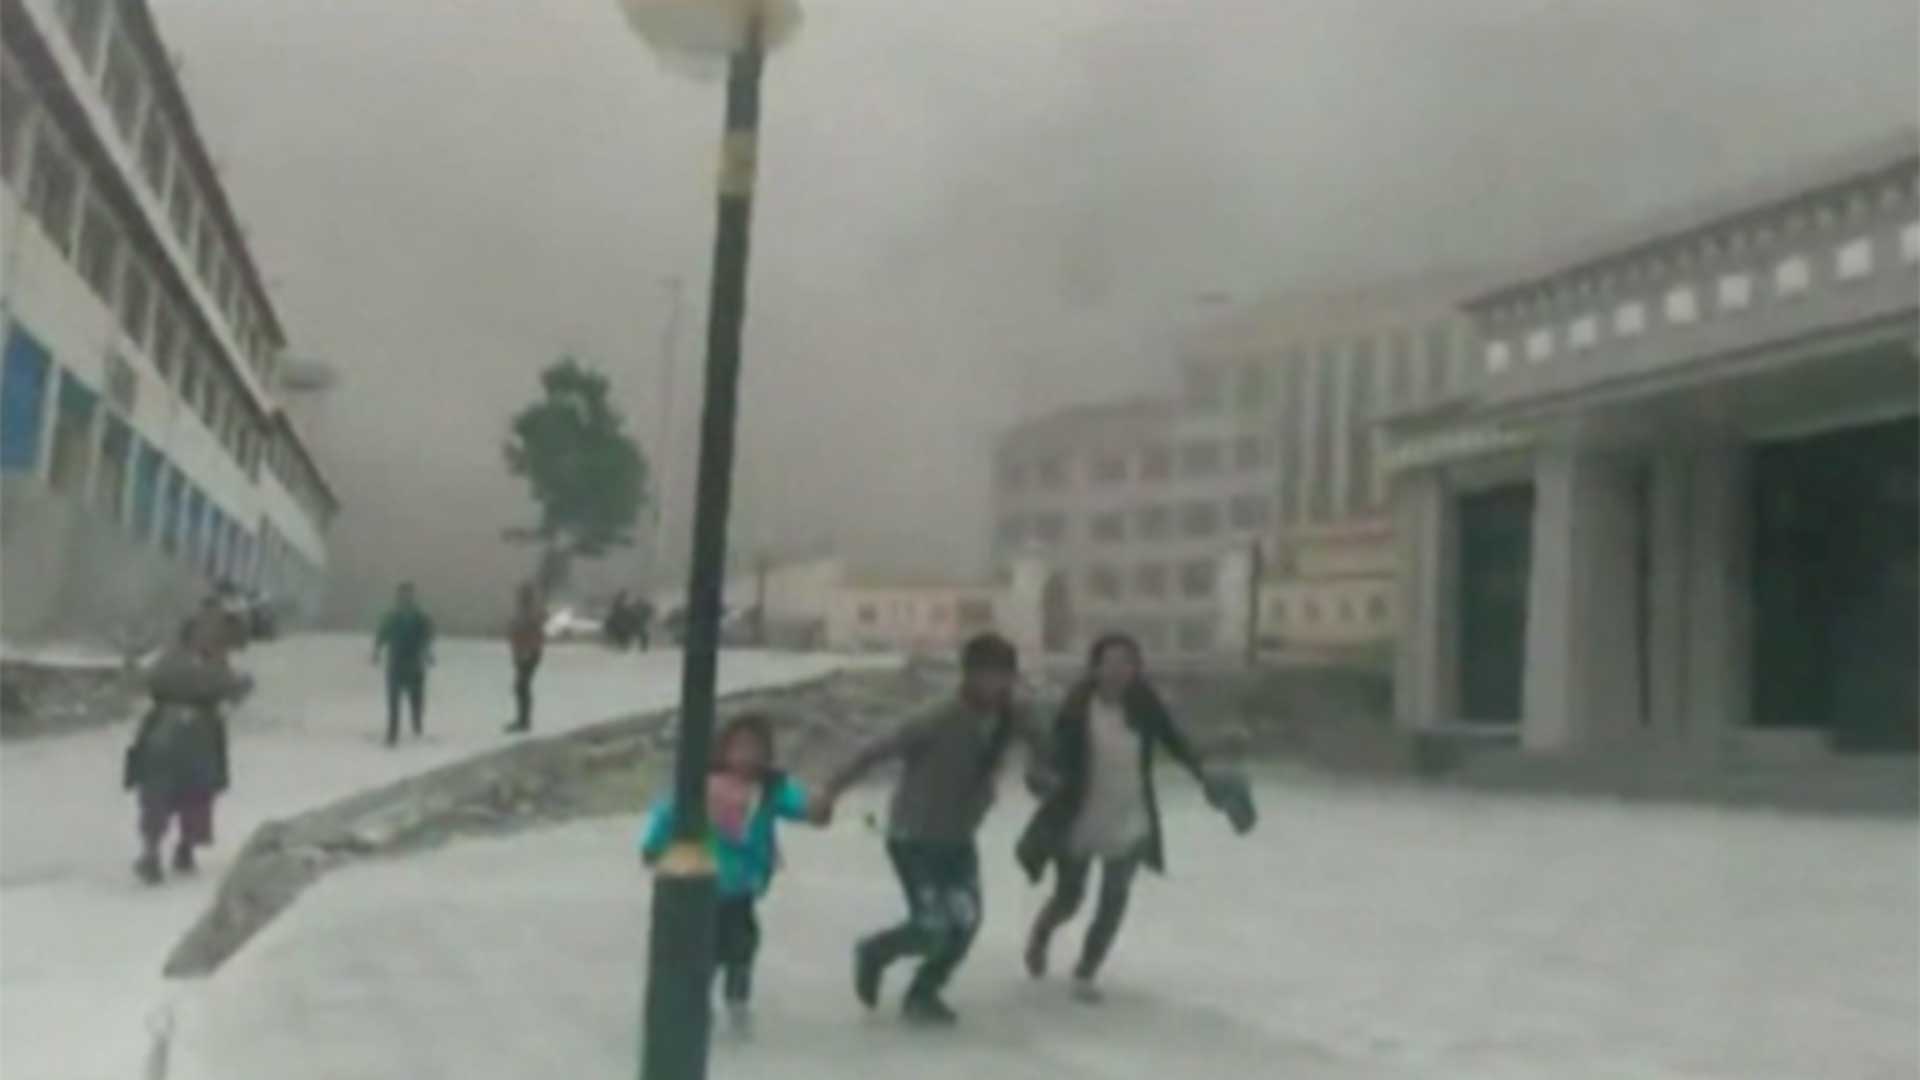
1103,810
643,623
949,757
527,638
178,759
406,638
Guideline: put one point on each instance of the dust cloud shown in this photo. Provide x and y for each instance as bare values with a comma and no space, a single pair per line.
969,213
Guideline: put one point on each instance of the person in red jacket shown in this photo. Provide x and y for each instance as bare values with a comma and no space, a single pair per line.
527,638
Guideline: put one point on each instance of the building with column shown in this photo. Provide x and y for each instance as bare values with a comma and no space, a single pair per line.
1249,506
143,456
1676,506
1310,376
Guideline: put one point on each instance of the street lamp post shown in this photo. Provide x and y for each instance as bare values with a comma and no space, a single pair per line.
678,1010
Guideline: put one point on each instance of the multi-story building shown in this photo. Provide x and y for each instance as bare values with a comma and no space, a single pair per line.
1249,507
1311,376
142,454
1677,509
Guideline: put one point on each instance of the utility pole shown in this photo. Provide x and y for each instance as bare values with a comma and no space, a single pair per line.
680,947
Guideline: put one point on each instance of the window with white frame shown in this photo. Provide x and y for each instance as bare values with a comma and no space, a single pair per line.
166,334
1151,522
1103,582
1630,318
1197,578
1735,292
1792,276
1499,356
1200,518
155,153
53,192
1910,242
16,104
99,251
84,19
1854,259
1584,333
1249,511
1682,306
1540,345
121,85
136,300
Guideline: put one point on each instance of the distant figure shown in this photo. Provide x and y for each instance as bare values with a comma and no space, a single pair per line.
178,759
406,637
527,638
747,796
618,625
643,623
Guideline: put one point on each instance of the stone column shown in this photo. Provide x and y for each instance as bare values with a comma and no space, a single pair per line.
1719,628
1582,674
1426,536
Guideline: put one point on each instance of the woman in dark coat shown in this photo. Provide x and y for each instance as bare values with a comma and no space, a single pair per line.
1105,739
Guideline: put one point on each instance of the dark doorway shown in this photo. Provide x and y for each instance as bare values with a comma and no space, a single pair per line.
1496,553
1836,593
1056,615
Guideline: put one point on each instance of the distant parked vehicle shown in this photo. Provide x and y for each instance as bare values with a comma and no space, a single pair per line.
569,624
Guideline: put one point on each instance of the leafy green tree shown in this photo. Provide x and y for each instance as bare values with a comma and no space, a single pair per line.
585,473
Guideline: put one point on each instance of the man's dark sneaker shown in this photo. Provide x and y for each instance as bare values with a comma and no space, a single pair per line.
147,869
183,860
867,969
927,1010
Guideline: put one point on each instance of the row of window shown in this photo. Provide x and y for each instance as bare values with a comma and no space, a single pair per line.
1149,464
154,320
95,456
1312,611
1682,305
149,132
964,613
1194,518
1418,368
1196,580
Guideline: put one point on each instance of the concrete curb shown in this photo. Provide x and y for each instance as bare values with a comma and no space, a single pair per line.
497,788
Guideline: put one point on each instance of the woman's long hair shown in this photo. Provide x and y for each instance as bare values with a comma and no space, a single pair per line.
1140,696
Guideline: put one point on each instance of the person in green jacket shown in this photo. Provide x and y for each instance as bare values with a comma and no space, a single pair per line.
406,639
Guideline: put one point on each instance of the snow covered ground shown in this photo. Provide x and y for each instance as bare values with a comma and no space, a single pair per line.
82,945
1360,932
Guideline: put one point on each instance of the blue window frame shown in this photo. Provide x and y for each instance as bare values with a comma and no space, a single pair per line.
146,490
23,396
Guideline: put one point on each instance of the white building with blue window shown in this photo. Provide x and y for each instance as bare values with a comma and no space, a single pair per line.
143,456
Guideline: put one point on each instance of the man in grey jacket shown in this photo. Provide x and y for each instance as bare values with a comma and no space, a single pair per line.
949,756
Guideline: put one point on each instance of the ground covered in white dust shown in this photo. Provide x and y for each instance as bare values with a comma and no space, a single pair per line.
1361,932
83,945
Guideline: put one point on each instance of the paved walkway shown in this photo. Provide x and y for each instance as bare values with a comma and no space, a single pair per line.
1359,933
83,943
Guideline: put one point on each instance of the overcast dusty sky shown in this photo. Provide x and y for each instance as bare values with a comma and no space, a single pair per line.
969,211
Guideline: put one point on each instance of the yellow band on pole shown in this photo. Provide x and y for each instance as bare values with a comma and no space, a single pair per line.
686,859
739,153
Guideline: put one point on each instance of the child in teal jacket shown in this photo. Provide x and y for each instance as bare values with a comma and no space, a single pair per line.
746,798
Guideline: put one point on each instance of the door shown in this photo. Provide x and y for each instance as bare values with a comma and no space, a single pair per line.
1837,586
1496,554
